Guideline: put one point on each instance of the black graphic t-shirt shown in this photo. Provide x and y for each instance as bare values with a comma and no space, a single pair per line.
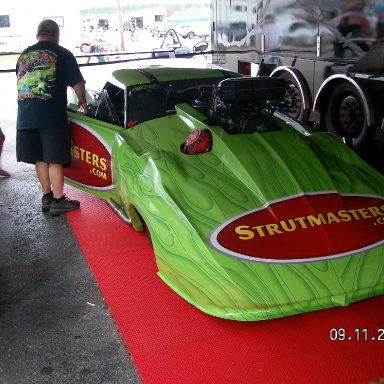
44,71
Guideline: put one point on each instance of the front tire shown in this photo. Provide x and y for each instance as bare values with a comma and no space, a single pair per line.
346,117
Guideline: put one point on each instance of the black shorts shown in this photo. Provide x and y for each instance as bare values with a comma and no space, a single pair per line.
48,145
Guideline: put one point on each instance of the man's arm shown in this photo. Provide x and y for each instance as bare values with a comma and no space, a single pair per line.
79,89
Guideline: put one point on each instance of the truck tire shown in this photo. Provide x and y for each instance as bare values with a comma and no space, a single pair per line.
294,96
346,117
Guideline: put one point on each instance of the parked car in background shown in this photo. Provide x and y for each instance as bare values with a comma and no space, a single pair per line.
158,30
192,30
107,42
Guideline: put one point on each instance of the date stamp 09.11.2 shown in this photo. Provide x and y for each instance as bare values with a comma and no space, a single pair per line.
356,334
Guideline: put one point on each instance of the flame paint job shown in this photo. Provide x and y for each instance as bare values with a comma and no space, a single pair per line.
185,201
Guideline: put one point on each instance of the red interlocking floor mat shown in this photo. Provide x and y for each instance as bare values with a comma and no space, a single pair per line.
171,342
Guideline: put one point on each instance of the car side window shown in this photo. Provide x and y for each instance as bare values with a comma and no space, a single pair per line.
145,103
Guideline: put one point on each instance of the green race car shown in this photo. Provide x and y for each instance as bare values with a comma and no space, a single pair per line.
251,216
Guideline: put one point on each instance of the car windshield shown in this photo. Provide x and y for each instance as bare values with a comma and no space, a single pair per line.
151,101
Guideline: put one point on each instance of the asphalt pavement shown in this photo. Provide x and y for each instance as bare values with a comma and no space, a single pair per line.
54,324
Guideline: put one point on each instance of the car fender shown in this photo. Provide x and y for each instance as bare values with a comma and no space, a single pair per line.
153,196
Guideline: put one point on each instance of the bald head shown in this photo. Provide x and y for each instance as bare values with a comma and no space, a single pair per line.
48,30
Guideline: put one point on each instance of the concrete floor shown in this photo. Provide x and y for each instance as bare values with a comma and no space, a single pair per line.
54,324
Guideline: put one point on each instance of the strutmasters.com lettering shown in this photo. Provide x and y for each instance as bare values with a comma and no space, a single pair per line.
89,157
98,164
247,232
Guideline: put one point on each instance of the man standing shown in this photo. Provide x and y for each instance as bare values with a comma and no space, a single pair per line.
95,40
44,71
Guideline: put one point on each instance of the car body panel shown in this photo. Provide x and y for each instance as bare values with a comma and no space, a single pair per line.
309,193
128,77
